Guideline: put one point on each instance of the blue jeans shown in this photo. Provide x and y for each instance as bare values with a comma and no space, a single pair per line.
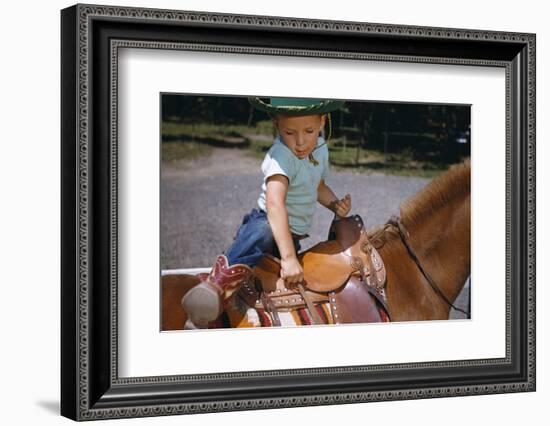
254,240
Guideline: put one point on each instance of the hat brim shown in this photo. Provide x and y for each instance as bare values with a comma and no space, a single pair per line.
322,107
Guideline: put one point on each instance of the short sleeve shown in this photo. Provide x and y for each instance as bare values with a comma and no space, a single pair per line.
278,161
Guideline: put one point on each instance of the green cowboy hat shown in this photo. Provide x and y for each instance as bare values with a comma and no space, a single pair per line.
296,106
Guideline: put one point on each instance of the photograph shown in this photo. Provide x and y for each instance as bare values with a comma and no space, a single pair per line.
354,201
298,212
276,213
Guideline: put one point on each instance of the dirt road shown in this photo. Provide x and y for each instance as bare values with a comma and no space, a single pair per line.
203,202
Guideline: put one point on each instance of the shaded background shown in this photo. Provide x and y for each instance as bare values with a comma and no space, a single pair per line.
398,138
212,148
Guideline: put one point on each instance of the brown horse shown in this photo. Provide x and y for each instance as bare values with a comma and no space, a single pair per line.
436,222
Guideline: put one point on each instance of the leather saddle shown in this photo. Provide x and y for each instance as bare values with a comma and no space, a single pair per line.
346,271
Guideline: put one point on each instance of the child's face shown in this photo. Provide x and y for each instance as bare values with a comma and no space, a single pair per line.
300,133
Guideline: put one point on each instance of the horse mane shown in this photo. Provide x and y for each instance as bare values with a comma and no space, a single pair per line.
445,199
451,185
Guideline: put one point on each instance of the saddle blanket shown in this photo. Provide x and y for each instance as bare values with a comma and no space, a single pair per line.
240,315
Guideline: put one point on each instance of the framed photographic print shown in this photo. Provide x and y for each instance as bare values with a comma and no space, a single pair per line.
263,212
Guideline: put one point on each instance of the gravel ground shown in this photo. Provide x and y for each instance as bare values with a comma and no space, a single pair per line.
203,202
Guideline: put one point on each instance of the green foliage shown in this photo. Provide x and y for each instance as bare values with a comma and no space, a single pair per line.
185,141
172,151
172,130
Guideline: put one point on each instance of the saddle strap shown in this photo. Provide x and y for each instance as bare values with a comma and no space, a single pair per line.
372,279
270,309
288,301
310,306
280,300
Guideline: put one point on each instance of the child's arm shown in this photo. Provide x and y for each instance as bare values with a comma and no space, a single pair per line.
277,186
327,198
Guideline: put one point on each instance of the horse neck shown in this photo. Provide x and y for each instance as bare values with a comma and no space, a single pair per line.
441,241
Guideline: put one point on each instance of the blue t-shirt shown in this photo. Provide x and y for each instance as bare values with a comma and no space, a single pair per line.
303,180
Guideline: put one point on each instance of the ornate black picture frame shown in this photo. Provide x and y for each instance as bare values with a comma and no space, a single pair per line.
91,36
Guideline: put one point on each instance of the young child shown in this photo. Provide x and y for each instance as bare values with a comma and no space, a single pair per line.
294,172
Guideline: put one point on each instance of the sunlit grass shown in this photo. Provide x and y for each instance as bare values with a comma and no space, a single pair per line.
189,141
184,150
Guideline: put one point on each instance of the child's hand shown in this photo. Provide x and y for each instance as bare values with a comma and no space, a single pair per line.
291,271
342,207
